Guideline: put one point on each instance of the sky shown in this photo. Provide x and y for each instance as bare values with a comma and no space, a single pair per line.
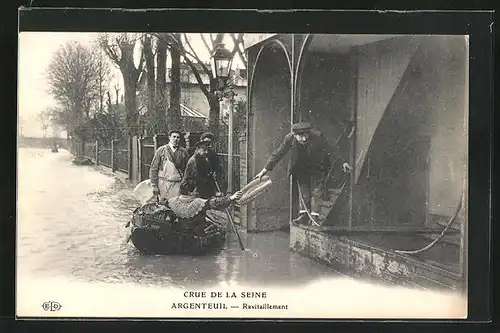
35,53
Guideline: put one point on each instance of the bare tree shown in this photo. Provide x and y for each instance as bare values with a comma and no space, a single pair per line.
120,49
198,67
73,79
43,119
103,76
174,110
159,119
149,72
161,81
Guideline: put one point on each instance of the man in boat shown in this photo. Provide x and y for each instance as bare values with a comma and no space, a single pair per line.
199,173
310,162
191,210
167,167
212,157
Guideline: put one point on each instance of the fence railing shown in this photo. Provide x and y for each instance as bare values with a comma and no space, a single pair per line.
121,155
105,153
114,154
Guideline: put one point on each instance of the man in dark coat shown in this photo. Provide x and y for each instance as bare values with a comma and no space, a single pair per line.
212,156
311,160
199,174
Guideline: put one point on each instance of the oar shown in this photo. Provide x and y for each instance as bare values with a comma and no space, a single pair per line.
230,216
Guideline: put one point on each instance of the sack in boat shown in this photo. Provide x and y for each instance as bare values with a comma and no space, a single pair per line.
151,212
186,206
254,189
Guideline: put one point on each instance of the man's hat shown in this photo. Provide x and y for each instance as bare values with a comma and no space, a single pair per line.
301,128
202,143
207,135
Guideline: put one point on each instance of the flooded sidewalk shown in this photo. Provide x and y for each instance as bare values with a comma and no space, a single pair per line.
71,225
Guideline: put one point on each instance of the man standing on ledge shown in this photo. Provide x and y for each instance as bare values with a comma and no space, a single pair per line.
167,167
310,162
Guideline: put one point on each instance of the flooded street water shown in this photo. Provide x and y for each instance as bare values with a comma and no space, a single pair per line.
71,225
71,250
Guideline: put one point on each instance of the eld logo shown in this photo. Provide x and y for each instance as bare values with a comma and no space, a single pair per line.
51,306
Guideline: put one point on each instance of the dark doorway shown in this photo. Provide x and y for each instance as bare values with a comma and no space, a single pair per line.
270,104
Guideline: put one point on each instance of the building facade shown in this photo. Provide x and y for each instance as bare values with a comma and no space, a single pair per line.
396,108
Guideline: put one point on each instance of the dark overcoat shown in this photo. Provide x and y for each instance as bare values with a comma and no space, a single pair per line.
316,157
198,175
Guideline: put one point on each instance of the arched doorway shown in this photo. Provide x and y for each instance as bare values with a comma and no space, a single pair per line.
325,97
270,106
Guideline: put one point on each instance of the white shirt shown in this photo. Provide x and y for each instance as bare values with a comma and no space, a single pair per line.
174,149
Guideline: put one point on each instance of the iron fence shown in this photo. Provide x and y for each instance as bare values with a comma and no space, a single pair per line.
105,154
89,150
121,155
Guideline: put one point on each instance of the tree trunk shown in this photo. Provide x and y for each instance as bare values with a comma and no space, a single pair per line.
130,105
150,68
174,112
130,75
161,83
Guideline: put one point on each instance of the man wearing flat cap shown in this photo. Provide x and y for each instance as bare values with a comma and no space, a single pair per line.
212,157
198,174
310,162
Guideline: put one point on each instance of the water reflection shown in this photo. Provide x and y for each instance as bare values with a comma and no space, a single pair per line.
71,223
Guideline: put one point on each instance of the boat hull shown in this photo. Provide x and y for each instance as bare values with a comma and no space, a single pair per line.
149,240
154,229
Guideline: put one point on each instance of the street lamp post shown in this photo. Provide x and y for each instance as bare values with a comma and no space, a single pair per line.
221,68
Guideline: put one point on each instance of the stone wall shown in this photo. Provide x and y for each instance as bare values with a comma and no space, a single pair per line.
367,261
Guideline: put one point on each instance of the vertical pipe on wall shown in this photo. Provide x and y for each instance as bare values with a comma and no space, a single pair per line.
292,110
354,59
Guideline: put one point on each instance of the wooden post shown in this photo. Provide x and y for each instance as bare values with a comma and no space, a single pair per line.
113,155
97,152
187,140
129,156
230,144
139,157
155,140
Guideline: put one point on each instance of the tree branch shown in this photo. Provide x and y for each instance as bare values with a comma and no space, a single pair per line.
209,49
109,52
205,68
198,77
237,42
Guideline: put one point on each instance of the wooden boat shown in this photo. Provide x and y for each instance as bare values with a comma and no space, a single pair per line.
154,229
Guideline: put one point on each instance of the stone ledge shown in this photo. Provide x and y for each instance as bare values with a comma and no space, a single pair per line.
363,260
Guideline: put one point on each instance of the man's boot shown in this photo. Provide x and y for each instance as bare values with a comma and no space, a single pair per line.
317,219
303,219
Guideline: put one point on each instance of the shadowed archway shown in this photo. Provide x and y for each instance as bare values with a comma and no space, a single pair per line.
270,106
